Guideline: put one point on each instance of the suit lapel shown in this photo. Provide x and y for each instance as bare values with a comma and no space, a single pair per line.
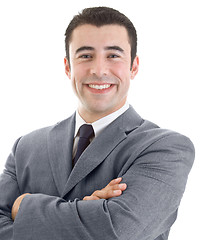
102,146
60,145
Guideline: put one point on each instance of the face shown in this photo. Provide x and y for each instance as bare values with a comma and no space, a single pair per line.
100,71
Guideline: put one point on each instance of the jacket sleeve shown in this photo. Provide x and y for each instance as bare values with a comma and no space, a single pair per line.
147,208
9,191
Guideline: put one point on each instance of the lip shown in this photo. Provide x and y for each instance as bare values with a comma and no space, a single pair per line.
98,83
100,91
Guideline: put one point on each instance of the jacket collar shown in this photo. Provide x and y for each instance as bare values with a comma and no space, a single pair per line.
61,144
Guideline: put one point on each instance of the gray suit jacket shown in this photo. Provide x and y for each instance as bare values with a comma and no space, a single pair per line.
153,162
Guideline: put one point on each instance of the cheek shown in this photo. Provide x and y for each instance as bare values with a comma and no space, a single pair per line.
121,71
74,84
76,81
80,72
75,76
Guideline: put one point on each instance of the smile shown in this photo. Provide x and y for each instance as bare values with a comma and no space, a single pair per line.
99,87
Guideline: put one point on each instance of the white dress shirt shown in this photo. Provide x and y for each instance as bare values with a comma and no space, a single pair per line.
98,125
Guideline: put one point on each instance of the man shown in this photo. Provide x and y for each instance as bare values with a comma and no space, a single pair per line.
53,172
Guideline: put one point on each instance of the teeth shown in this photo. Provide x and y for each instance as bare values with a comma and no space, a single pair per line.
99,87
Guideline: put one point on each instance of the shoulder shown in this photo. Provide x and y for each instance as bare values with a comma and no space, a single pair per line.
149,138
155,134
38,138
139,129
143,136
163,145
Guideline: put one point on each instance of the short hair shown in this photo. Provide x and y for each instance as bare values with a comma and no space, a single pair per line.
100,16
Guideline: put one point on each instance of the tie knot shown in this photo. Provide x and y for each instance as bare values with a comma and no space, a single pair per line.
86,131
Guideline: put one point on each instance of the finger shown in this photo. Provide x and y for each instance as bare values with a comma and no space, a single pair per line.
114,181
117,189
113,193
121,186
87,198
106,194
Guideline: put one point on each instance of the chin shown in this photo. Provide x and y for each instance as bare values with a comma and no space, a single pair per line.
101,109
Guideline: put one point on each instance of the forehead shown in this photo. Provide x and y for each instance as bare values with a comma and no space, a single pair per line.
91,35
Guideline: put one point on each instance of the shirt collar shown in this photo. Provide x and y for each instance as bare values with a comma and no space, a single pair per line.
102,123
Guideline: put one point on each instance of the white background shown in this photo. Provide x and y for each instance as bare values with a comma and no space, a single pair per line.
34,91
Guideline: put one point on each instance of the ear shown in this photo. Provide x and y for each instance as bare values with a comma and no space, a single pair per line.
67,68
135,67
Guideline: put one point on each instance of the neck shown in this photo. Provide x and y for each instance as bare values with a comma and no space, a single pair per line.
90,117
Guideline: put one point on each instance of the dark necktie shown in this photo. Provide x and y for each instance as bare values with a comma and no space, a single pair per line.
85,133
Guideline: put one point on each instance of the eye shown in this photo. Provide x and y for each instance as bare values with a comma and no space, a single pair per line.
85,56
113,56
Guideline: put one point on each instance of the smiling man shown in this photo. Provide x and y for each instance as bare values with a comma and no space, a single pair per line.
100,68
65,181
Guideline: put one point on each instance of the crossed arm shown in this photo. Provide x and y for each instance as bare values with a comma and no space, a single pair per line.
113,189
156,182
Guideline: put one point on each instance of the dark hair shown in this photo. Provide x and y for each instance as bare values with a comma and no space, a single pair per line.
99,16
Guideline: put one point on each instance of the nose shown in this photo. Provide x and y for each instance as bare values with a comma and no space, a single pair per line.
99,67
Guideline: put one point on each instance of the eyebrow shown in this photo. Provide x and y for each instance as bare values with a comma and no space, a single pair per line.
88,48
114,48
84,48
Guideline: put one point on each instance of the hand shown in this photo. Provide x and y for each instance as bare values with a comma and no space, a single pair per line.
113,189
16,205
